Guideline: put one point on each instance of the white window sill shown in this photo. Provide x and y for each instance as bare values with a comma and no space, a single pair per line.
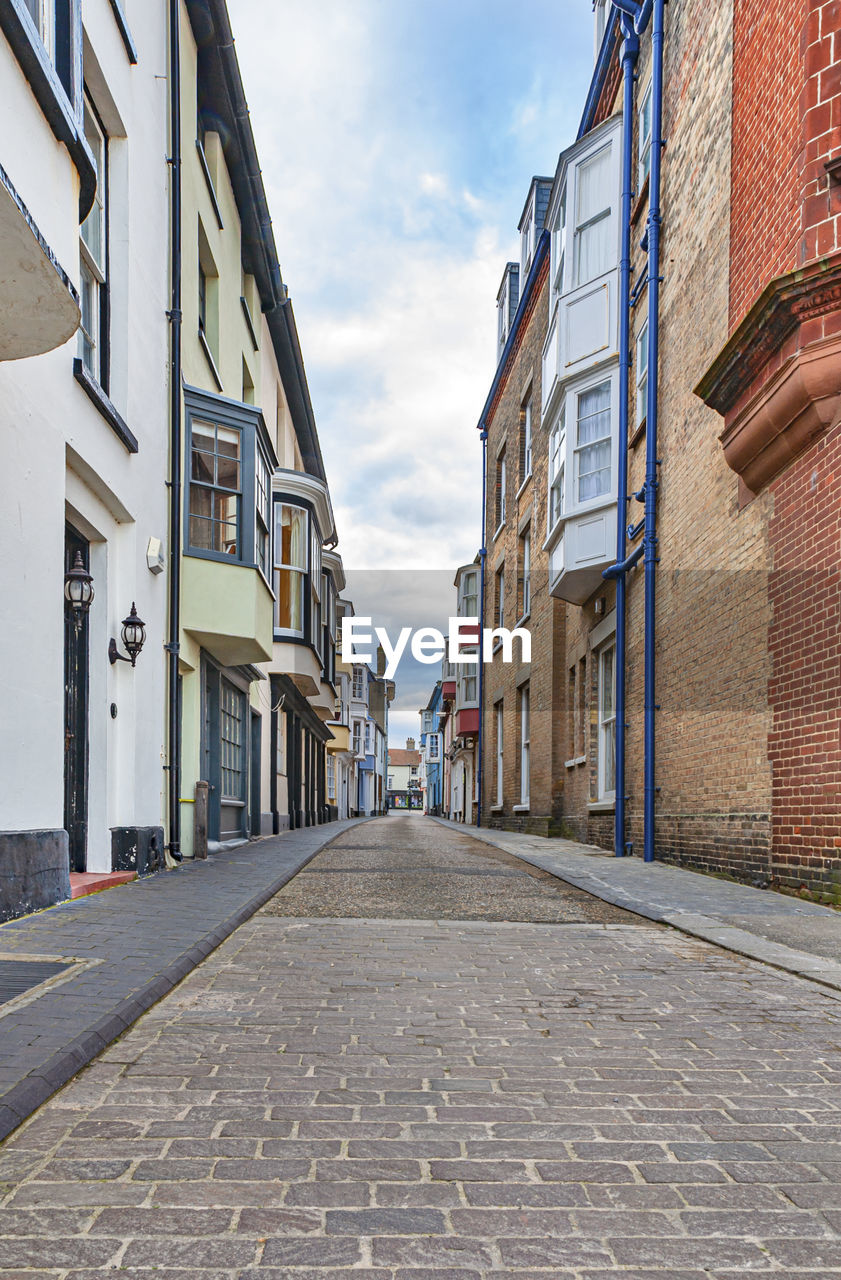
524,485
601,806
522,621
497,808
498,531
571,764
521,808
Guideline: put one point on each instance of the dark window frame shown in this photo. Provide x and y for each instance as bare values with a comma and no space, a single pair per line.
248,420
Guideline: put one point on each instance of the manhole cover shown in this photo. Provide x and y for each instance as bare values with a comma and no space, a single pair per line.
20,976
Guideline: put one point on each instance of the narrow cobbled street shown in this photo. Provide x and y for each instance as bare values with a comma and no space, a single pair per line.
423,1060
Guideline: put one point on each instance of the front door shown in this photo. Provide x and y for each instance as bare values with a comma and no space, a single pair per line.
76,664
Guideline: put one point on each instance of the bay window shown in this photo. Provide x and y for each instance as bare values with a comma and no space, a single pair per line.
593,443
291,542
593,248
228,494
359,683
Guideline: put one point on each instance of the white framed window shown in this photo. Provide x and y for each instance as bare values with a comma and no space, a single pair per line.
593,251
291,546
359,683
432,747
557,470
499,611
525,555
331,775
391,782
469,607
607,721
93,254
426,722
262,507
367,737
559,246
641,373
357,737
525,731
526,440
593,446
468,689
42,13
644,138
499,753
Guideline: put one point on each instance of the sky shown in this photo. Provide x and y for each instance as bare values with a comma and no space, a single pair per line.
397,143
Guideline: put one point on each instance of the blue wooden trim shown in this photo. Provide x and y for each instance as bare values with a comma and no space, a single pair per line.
125,32
602,67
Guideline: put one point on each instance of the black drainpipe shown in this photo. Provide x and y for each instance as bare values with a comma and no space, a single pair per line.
174,315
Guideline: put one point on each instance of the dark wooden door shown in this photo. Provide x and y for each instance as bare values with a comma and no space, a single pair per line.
76,663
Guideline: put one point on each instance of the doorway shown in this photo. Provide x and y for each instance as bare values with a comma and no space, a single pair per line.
76,682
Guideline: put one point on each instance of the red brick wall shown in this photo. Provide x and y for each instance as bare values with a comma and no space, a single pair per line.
786,211
765,206
805,684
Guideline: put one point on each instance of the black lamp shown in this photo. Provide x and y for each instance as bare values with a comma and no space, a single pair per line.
133,635
78,590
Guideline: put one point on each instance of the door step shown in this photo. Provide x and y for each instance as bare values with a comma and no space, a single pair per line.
83,883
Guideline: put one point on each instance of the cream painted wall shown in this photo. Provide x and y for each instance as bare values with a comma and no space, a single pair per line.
61,458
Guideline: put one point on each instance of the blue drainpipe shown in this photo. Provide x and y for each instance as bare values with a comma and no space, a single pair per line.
651,558
483,555
631,11
630,50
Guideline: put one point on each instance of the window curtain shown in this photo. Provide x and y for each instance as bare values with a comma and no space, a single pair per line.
592,237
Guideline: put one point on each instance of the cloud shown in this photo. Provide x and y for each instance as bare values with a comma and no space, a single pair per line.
397,143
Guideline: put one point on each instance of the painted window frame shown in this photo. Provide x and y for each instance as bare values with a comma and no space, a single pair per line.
641,374
526,438
204,406
525,744
606,720
500,491
568,410
94,281
556,504
604,211
525,550
500,753
644,138
466,610
499,602
358,684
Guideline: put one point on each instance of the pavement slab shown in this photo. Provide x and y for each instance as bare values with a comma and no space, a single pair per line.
779,929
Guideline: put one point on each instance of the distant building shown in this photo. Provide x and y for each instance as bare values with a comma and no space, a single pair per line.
403,777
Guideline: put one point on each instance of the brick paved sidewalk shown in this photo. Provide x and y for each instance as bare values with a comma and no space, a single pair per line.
799,936
132,945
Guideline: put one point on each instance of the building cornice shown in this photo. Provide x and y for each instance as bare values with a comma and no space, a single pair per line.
300,484
332,562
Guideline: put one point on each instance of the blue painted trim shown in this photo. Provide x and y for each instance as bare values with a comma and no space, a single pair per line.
600,71
539,254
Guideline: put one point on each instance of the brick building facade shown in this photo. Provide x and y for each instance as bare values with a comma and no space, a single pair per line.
748,581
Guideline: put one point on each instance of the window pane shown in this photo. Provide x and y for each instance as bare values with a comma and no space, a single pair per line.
89,295
93,227
201,533
593,182
291,537
289,589
227,473
594,446
228,441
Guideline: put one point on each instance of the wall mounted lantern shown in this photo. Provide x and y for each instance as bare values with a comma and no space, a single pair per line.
133,635
78,590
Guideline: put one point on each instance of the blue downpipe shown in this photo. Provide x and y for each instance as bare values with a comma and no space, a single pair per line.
651,462
483,555
630,51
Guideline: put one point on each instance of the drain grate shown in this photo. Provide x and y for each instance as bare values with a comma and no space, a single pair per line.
20,976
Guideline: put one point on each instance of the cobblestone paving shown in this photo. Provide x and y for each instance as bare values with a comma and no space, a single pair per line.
445,1100
409,867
